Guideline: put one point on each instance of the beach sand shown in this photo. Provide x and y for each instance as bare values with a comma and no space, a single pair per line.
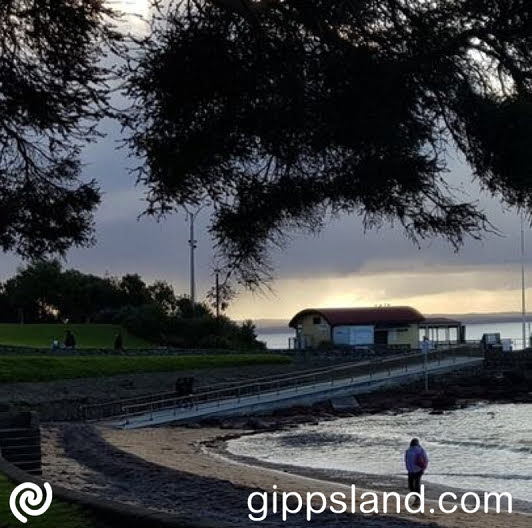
188,450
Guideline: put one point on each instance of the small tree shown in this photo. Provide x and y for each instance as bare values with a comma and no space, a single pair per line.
248,336
220,296
134,290
35,291
163,294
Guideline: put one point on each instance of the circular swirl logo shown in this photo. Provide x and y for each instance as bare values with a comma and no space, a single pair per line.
26,499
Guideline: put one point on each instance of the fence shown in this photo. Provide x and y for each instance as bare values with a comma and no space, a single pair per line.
216,394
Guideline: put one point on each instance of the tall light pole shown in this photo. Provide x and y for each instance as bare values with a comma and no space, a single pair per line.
193,243
523,299
217,275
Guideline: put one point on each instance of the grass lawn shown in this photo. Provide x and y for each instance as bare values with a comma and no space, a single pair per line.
87,335
60,514
48,368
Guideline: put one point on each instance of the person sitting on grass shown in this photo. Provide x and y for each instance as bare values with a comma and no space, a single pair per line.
416,462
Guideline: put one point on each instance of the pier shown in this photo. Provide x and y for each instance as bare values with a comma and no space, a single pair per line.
266,395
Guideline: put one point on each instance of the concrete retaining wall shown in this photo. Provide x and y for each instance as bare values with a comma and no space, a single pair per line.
20,441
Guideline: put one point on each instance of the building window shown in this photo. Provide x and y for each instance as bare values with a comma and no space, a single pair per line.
316,320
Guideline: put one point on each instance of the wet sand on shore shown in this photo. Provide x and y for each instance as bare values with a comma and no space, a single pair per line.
201,452
77,457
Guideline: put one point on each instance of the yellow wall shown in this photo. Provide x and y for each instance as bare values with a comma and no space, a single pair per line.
410,337
313,334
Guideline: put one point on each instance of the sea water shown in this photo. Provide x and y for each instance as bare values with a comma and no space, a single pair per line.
485,447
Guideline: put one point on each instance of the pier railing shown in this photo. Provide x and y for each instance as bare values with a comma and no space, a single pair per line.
216,395
115,408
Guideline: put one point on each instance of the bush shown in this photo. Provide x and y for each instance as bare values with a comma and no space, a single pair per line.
147,321
181,330
209,332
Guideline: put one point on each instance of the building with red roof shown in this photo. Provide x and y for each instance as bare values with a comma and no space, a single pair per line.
391,326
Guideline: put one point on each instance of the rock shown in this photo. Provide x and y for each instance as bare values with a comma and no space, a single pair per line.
258,423
522,397
443,402
454,389
303,419
211,422
292,411
322,408
349,403
239,423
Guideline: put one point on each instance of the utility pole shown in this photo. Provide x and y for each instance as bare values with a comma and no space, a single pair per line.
425,345
523,299
217,275
193,243
426,370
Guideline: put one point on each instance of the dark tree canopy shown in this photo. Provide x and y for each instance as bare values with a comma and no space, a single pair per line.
42,292
284,113
52,93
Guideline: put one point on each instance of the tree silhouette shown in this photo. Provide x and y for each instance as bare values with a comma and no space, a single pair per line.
53,91
285,113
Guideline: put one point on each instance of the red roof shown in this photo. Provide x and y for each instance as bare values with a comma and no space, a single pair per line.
363,316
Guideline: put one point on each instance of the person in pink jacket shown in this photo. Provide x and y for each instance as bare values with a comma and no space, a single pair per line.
416,462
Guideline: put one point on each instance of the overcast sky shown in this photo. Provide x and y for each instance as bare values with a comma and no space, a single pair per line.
342,267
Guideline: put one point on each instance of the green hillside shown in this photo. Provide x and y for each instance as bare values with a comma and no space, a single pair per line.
87,335
48,368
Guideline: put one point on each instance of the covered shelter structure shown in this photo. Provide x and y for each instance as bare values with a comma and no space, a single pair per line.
393,327
442,330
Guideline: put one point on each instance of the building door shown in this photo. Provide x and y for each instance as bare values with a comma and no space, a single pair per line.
381,337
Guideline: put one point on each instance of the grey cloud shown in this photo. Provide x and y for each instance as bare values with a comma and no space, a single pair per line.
384,261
